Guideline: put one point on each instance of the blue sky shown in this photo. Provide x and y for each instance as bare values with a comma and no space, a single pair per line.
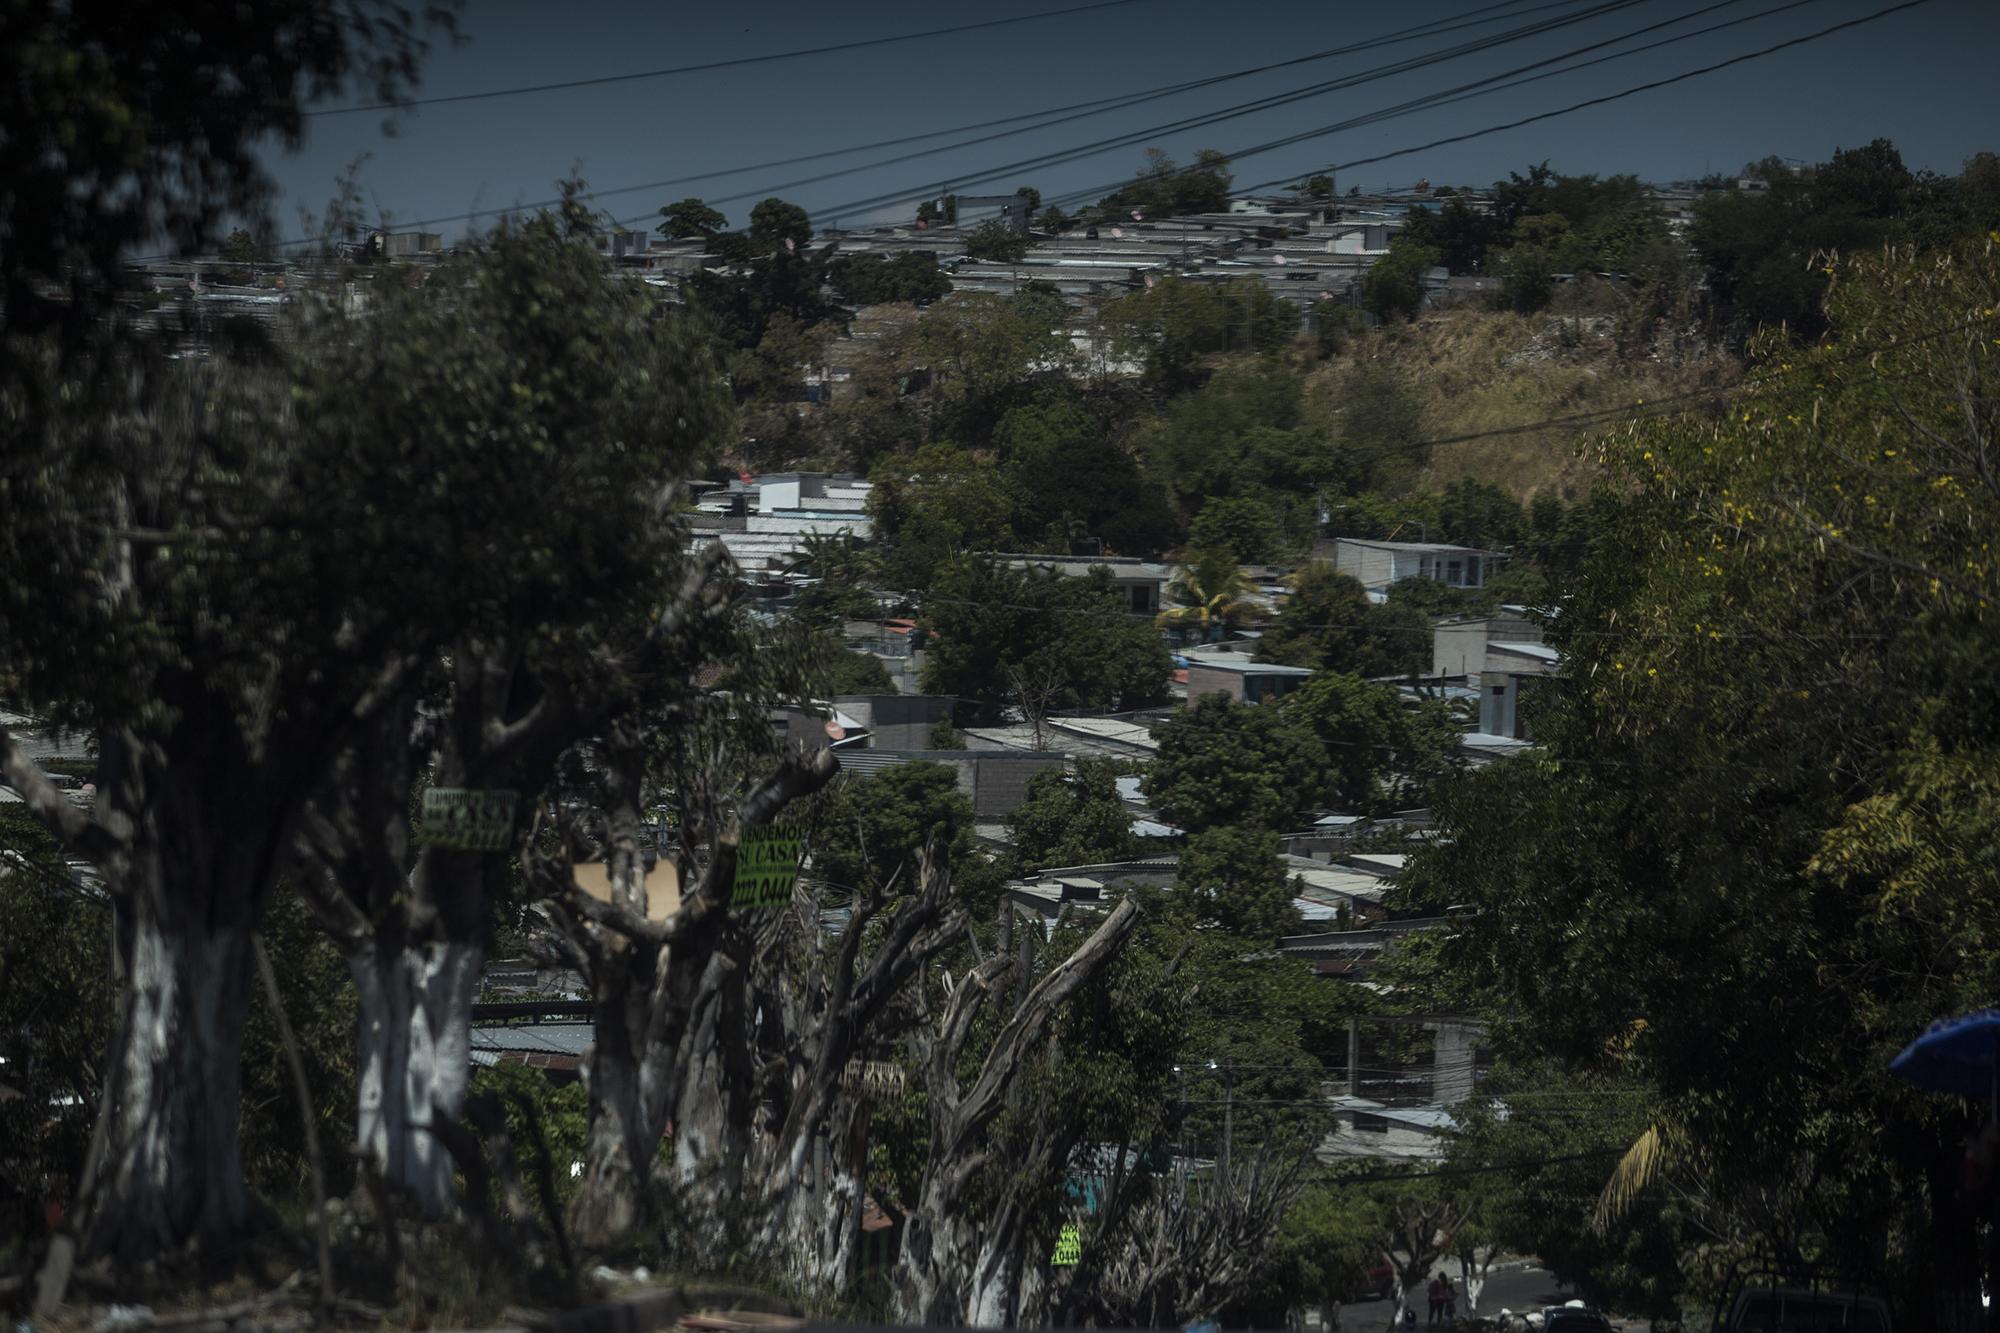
1922,77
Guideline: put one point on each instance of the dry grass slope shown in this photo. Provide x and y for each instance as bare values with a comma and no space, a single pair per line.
1481,370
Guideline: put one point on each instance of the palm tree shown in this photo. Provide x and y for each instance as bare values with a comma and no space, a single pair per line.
1212,594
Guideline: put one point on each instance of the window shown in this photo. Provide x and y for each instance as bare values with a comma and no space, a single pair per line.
1369,1124
1454,572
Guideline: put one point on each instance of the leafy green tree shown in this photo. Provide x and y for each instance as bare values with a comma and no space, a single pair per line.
1381,427
778,225
1393,287
1174,325
1074,641
1773,870
865,829
1758,245
1321,1254
1073,818
122,135
1222,763
1335,323
1242,527
1243,433
1163,188
997,242
933,507
1235,874
1054,220
690,217
1362,729
1328,623
1478,513
875,279
842,573
1071,473
986,353
849,672
1462,235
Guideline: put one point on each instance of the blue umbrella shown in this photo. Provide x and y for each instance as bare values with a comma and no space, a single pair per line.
1959,1055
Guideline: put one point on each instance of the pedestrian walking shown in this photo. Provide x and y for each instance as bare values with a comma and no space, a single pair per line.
1436,1289
1450,1301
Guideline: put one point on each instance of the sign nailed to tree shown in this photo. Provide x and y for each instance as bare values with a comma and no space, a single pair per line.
469,821
1069,1247
767,864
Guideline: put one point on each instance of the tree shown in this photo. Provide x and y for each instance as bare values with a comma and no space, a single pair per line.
120,138
1362,728
777,225
1322,1251
876,279
1393,287
689,218
1235,874
1478,513
205,764
1225,763
851,672
1071,473
1329,623
1380,431
1240,527
1212,595
987,354
1175,324
933,507
987,619
1777,872
1054,220
569,394
868,830
957,1256
996,242
1073,818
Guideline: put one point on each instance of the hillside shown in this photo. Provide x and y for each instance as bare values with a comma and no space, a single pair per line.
1480,370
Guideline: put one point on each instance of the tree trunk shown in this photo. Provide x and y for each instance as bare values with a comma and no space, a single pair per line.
172,1172
622,1136
415,1055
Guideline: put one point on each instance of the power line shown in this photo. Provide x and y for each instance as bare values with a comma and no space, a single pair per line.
1502,81
1083,109
1268,102
1628,92
1440,99
734,63
1211,118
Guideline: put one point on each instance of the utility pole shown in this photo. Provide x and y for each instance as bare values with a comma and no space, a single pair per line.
1353,1055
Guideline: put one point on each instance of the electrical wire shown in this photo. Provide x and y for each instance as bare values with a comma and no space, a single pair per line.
1268,102
1083,110
736,62
1339,167
1623,93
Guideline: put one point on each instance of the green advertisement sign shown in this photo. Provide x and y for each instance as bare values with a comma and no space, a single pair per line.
1069,1247
767,865
466,820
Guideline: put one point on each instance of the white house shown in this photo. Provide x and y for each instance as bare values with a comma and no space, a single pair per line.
1377,564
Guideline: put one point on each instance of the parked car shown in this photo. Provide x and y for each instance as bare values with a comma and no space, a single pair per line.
1575,1317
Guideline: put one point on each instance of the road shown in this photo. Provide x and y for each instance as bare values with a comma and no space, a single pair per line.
1515,1289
